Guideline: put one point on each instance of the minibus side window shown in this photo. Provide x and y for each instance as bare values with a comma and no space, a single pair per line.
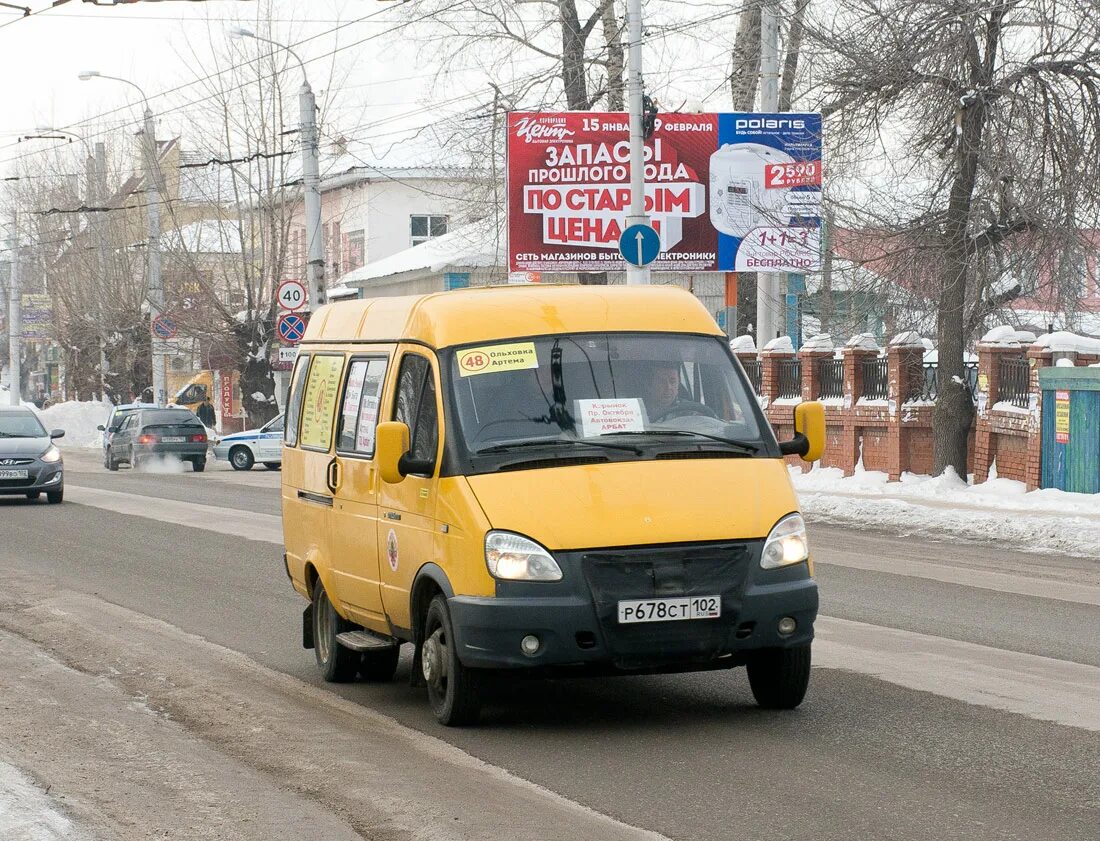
416,407
359,415
294,404
319,402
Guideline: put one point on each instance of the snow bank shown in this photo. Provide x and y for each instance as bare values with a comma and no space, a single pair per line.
999,510
28,814
79,420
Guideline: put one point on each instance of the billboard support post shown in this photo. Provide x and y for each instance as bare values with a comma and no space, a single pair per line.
768,292
636,275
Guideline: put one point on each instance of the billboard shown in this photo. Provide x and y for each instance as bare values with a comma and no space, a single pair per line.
726,192
37,317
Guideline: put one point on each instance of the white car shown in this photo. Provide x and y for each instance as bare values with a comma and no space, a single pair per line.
244,449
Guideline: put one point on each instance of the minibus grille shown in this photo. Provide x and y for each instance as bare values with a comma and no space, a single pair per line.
667,572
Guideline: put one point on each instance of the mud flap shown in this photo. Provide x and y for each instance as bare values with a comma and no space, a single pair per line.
307,627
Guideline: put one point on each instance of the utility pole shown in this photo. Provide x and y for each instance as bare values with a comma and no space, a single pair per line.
768,283
311,187
152,249
15,317
636,275
98,191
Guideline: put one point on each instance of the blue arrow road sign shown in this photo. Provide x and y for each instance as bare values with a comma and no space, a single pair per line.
640,245
291,327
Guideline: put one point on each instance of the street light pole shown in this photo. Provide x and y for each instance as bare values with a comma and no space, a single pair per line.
768,283
154,284
311,174
15,317
636,275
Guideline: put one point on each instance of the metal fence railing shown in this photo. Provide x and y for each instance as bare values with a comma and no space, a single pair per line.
830,378
789,374
754,368
876,378
1014,381
928,386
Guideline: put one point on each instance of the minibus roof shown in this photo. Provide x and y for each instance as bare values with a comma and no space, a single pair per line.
460,317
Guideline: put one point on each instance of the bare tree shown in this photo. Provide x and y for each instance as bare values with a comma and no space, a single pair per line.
986,118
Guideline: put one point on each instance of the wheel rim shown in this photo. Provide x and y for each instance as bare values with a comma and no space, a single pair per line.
240,459
322,621
435,664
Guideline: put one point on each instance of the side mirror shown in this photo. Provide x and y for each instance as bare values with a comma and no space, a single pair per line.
809,432
390,446
101,428
56,433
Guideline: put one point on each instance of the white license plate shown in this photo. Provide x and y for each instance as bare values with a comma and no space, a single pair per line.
173,439
14,474
670,610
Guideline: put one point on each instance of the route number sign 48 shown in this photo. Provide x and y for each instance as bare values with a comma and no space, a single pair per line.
291,295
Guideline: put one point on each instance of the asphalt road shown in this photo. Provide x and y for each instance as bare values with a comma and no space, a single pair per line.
931,749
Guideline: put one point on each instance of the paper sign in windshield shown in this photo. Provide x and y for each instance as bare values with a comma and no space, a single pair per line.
493,358
599,417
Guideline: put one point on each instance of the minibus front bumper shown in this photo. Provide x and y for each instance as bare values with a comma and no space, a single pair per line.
575,621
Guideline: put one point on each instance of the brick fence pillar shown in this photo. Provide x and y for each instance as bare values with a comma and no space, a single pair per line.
1037,357
905,365
811,375
853,390
989,386
769,373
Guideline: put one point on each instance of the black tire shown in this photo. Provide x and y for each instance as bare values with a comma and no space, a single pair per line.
273,465
240,458
34,494
379,666
198,465
55,497
454,692
779,676
135,462
111,463
338,664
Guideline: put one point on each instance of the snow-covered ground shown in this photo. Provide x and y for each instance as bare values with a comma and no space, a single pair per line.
79,420
27,813
1000,509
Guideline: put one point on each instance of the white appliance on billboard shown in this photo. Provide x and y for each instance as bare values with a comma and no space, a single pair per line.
739,200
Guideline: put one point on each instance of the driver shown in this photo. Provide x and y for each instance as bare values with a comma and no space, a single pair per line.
661,388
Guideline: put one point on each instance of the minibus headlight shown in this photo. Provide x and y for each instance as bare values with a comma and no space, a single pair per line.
786,544
517,558
52,455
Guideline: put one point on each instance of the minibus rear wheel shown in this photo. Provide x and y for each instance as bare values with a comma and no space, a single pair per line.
779,677
454,691
338,664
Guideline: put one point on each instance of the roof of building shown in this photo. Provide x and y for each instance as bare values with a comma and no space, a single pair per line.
497,313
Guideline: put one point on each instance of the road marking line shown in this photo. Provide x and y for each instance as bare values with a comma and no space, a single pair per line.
230,522
1002,582
1038,687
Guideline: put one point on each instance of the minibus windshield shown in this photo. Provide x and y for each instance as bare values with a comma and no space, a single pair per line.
613,391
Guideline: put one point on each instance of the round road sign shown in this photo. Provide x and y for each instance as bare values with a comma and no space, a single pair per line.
640,245
291,328
292,295
163,327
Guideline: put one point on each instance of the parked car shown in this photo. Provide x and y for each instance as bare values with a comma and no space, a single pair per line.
148,433
244,449
30,464
115,419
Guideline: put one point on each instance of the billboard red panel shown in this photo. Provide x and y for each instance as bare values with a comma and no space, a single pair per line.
569,190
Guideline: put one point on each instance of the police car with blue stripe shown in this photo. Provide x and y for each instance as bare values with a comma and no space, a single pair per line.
244,449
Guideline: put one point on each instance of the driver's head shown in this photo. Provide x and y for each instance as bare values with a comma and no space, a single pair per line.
662,386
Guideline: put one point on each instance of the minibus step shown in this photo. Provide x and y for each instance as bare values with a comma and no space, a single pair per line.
364,641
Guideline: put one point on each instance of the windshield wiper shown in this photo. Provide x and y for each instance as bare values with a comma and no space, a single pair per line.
18,435
747,446
508,446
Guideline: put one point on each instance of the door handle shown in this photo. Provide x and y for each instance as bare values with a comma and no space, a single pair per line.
392,515
332,479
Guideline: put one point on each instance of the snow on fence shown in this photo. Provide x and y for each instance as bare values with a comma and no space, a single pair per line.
879,401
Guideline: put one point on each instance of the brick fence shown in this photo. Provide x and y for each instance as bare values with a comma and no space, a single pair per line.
890,428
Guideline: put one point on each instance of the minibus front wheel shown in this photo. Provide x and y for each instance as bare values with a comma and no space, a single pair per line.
454,692
779,677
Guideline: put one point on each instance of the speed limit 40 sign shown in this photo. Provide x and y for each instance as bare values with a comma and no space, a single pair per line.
292,295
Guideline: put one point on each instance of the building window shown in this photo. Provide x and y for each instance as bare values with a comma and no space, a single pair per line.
357,243
424,228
